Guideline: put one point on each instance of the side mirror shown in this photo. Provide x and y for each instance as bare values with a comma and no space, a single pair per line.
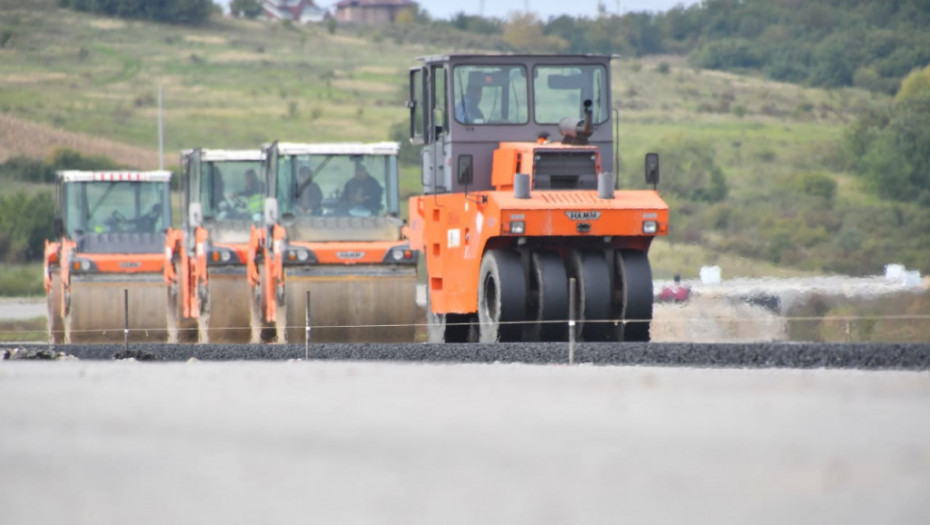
194,215
652,169
59,228
466,173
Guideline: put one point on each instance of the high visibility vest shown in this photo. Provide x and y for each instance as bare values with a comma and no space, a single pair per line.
256,203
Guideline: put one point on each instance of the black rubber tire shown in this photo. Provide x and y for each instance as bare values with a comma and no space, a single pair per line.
634,277
446,328
592,295
547,298
460,328
501,297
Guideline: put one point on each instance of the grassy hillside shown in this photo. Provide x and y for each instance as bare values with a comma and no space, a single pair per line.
235,83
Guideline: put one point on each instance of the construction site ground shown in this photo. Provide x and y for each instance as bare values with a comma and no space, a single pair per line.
381,442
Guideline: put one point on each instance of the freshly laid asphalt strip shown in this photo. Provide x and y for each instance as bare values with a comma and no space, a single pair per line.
879,356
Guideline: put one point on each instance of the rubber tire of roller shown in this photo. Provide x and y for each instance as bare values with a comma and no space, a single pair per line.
501,297
548,282
592,282
445,328
635,277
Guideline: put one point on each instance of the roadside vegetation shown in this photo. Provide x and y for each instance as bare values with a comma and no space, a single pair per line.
765,170
29,330
891,318
21,280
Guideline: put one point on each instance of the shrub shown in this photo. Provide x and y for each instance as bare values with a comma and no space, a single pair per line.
817,185
691,170
27,169
68,159
168,11
25,223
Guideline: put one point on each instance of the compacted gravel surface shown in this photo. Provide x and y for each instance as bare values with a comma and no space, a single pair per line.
753,355
324,441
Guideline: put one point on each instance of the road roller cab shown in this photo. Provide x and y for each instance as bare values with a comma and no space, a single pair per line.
205,268
520,198
110,230
332,229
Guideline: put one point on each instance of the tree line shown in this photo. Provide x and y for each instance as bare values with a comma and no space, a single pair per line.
871,44
26,216
166,11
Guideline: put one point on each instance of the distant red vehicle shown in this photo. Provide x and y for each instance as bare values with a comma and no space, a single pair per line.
675,293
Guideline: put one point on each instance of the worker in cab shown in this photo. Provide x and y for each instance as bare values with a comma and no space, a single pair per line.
362,193
308,194
467,110
251,194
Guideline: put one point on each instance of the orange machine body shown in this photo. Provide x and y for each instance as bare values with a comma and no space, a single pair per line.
455,230
214,240
347,256
519,233
109,229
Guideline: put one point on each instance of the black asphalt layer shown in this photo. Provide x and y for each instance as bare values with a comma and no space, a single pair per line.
881,356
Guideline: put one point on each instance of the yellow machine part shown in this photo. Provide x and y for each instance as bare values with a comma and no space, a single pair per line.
351,304
97,312
227,317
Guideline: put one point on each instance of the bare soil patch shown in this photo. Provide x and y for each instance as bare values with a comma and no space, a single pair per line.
21,137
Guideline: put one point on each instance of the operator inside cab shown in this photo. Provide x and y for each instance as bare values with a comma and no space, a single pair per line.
308,194
361,194
467,110
250,197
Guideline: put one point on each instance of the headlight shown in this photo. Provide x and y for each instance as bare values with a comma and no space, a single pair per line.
400,254
517,227
298,255
650,226
219,255
83,265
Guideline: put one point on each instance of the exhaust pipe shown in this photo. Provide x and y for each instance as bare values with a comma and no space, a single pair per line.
605,185
576,132
521,186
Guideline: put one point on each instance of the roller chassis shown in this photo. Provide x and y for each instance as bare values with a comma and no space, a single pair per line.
487,285
107,250
505,224
205,259
357,292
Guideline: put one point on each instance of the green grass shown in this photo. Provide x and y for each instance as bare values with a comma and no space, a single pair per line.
24,330
21,280
238,84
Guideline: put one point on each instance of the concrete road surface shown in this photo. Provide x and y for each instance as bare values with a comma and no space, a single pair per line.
347,442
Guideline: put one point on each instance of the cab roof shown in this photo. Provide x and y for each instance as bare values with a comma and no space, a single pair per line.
337,148
114,176
510,58
213,155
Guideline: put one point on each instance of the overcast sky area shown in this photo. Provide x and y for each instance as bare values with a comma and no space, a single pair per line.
544,8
